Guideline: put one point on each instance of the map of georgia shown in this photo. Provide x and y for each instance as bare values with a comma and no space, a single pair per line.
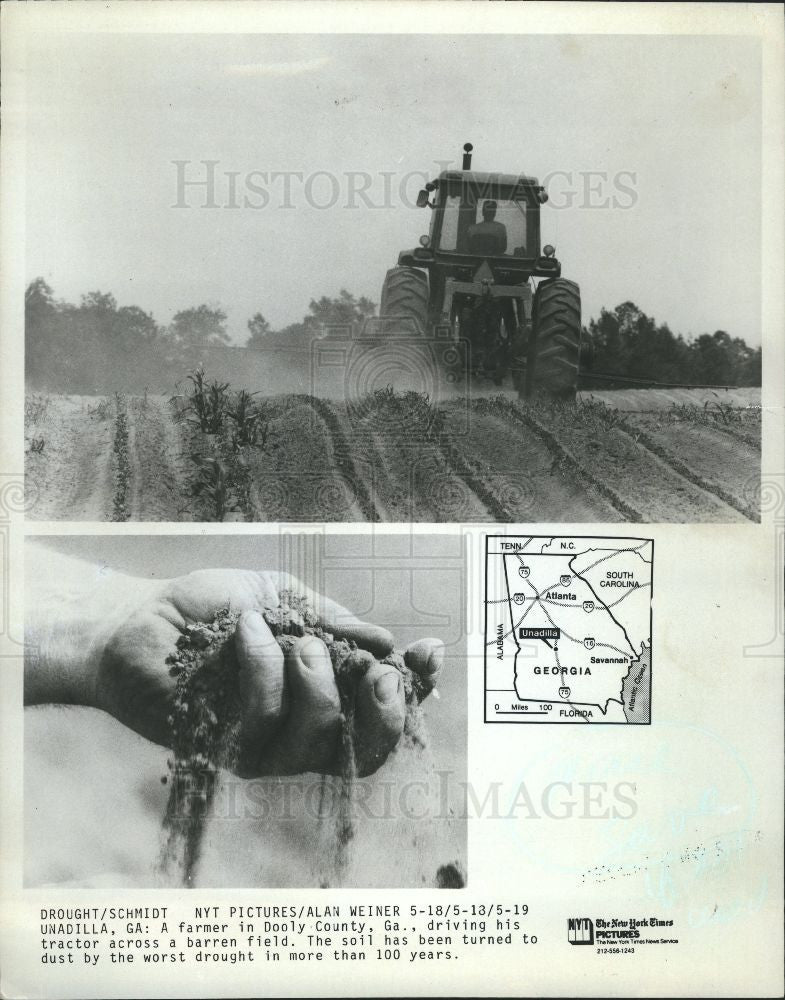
568,629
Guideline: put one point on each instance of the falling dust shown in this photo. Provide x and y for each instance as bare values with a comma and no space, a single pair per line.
205,724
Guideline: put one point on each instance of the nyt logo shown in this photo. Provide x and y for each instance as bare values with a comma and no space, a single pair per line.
580,930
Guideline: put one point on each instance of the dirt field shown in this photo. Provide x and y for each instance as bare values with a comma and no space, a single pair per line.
630,455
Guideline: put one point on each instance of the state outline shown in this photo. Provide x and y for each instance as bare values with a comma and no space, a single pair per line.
528,539
539,600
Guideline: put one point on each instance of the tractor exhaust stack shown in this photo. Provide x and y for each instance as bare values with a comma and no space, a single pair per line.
467,156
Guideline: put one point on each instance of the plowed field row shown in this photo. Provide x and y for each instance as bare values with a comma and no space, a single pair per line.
397,459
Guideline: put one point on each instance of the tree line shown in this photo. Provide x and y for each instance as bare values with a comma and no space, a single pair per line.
626,343
97,346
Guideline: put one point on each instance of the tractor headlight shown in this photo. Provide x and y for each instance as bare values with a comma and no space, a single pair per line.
548,250
425,241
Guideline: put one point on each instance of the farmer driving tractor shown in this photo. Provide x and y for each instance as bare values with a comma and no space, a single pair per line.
488,238
483,323
489,282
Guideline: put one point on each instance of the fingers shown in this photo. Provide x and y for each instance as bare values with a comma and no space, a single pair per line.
293,720
379,716
336,619
425,658
310,736
261,689
374,638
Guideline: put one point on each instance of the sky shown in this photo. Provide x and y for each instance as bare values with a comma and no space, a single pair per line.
649,146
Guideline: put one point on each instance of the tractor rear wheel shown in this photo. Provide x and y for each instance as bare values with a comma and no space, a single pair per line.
555,344
405,296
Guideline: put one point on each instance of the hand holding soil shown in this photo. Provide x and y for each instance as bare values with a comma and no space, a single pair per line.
290,711
233,671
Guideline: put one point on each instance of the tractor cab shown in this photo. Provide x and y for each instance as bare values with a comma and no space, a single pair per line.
464,198
483,216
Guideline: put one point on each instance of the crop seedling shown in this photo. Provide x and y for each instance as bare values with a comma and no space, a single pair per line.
122,466
207,401
197,400
249,428
216,406
395,413
204,722
101,410
140,404
722,411
37,445
36,408
211,484
178,404
739,424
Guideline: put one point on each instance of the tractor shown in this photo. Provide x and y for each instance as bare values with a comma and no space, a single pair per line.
470,279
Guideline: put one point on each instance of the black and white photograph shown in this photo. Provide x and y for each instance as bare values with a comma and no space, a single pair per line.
392,499
197,715
420,277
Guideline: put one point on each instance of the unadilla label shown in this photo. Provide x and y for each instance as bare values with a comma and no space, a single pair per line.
539,633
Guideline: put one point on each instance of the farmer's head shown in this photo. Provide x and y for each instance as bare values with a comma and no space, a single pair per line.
489,211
